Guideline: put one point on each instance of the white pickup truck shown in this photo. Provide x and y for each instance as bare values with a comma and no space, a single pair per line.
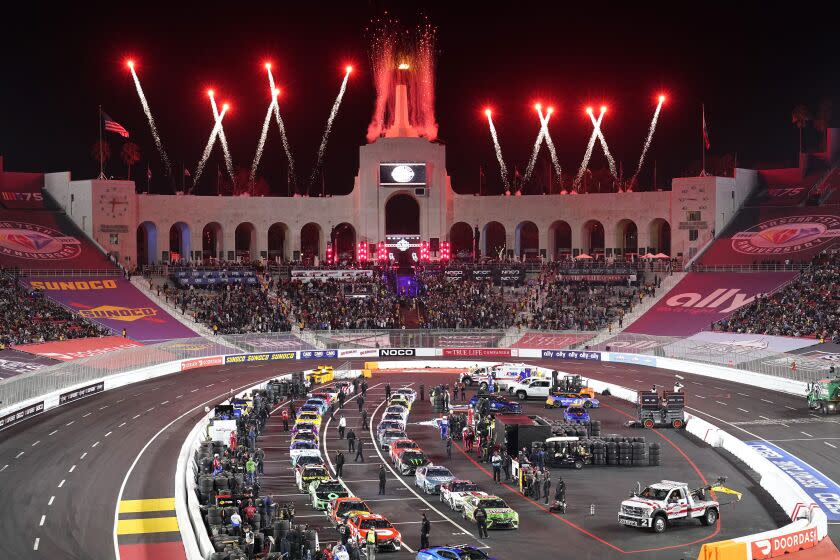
660,504
531,388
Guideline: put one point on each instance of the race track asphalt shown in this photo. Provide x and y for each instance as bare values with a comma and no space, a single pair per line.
62,471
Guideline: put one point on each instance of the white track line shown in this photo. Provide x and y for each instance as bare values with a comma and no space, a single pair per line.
52,499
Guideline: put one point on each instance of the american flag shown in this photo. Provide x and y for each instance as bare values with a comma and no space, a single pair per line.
113,126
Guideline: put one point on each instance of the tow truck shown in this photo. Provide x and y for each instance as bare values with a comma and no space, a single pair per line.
824,396
661,504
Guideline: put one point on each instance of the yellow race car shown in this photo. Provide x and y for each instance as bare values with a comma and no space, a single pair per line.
308,416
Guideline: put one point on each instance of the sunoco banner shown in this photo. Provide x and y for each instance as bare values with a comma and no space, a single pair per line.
255,358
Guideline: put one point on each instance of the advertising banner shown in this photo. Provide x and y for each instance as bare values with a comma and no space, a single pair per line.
13,362
74,349
510,275
317,274
396,352
78,394
358,353
549,340
318,354
478,352
114,303
465,340
22,414
571,355
21,190
255,358
733,348
824,491
701,298
636,342
784,544
636,359
202,362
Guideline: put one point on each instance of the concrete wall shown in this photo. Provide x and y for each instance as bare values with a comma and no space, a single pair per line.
731,193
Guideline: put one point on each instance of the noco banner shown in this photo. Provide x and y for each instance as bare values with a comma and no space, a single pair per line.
396,352
264,357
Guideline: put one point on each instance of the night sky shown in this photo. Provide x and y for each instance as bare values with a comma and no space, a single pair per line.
750,64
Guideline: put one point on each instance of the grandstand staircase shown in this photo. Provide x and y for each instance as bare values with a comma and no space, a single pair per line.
668,282
410,317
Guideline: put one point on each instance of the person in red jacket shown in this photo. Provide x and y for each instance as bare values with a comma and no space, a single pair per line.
232,442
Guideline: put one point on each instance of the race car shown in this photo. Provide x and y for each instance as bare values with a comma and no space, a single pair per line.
498,404
389,436
562,400
315,405
308,416
324,491
399,400
576,412
454,493
324,395
303,436
398,409
499,514
389,425
430,478
395,416
401,444
409,394
408,460
301,427
341,508
343,387
309,460
387,536
301,448
307,474
452,552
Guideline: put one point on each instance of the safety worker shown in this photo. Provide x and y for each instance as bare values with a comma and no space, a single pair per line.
250,470
425,529
370,539
481,522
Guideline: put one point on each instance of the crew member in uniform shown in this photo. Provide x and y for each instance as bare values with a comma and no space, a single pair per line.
481,522
425,529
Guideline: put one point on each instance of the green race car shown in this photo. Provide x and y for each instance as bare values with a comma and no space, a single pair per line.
499,514
323,492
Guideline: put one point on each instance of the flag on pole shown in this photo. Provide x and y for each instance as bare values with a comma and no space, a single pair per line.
705,130
186,172
113,126
148,172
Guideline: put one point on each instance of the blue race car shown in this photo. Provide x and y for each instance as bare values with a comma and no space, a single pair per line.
431,477
576,413
458,551
562,400
315,405
499,405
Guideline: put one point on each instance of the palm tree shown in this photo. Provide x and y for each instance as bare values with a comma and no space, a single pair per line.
800,117
130,155
101,149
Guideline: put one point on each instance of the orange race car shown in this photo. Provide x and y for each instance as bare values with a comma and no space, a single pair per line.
387,536
341,508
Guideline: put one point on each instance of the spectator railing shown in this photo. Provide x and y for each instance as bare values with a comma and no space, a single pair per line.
71,273
756,267
76,373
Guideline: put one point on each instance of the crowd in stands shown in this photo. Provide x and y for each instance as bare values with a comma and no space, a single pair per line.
323,305
26,316
465,303
579,305
808,306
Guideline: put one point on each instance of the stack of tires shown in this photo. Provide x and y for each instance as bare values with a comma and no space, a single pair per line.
640,453
205,488
625,453
653,455
595,428
599,453
612,452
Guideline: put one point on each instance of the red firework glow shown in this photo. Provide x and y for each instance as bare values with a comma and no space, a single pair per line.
488,112
130,63
348,69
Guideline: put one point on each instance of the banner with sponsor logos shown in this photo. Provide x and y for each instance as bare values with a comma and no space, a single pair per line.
396,352
571,355
478,352
701,298
824,491
114,303
635,342
318,274
776,234
45,240
549,340
21,190
510,275
358,353
77,394
255,358
787,543
20,415
74,349
733,348
471,340
14,362
195,363
827,353
318,354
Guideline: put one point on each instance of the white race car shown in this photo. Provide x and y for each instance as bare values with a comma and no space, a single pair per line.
303,448
453,493
409,394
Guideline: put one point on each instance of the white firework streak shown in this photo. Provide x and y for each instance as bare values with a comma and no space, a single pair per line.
323,147
498,148
549,142
588,154
261,144
607,153
282,128
222,139
148,111
647,142
210,141
537,143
